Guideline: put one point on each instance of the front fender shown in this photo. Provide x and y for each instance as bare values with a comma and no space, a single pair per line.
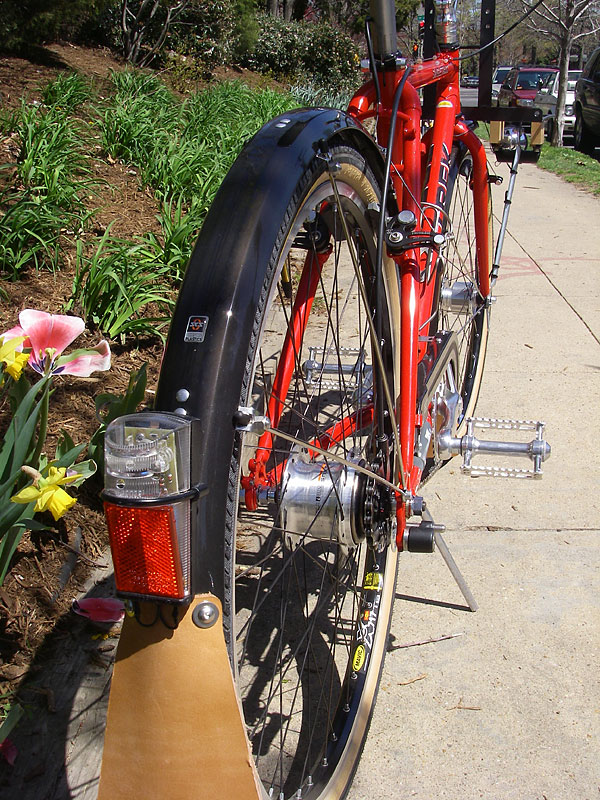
204,365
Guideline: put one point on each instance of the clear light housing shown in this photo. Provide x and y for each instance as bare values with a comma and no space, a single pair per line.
148,493
147,456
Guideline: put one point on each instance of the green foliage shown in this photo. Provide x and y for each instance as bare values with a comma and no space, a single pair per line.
204,31
246,30
307,93
292,49
116,285
29,234
46,188
33,22
180,229
22,446
67,92
51,163
183,151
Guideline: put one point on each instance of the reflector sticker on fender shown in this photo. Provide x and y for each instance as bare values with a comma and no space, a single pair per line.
373,581
196,329
359,658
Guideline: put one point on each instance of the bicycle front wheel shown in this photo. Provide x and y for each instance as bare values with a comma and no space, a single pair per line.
308,515
462,308
313,575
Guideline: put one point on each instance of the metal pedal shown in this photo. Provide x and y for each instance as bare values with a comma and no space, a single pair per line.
538,450
346,361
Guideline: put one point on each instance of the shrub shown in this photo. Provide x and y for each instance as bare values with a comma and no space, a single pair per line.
204,31
320,52
31,22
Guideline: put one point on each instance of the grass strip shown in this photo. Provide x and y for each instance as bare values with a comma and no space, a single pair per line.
572,166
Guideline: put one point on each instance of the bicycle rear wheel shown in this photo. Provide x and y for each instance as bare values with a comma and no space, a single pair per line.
461,306
308,571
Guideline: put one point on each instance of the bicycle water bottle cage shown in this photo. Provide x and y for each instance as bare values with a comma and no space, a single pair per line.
400,235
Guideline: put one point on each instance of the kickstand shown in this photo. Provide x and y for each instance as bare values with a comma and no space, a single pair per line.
452,565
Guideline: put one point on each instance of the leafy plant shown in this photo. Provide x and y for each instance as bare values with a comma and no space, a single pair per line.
289,50
117,283
45,188
67,92
179,233
308,93
51,163
29,481
184,151
29,234
205,32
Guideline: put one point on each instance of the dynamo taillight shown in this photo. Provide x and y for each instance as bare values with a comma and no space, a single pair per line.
148,491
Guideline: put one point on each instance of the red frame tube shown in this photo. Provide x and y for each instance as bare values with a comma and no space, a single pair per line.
414,182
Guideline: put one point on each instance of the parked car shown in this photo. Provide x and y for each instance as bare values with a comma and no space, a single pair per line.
469,81
546,100
522,84
587,105
498,79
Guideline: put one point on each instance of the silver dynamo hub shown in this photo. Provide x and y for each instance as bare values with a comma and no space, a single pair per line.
322,500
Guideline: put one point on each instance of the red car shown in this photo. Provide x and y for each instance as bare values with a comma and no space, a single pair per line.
522,84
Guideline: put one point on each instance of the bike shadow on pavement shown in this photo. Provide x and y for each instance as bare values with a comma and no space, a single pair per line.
65,696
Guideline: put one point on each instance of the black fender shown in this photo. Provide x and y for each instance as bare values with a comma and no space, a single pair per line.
204,365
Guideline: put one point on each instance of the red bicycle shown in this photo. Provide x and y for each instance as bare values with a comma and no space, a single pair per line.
324,360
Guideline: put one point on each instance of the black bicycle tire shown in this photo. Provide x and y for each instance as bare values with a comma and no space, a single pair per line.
337,779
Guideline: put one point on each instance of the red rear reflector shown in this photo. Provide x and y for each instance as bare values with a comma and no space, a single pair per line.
145,551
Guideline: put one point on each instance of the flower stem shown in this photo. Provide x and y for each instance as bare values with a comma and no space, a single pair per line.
43,427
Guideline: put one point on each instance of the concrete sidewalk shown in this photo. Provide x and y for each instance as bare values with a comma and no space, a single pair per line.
510,708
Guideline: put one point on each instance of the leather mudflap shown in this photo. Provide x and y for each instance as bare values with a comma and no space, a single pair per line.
174,727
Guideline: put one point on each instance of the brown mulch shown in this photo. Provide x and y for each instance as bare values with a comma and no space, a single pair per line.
50,568
39,636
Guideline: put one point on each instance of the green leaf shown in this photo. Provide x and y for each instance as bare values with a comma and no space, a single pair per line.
34,525
65,444
18,437
85,469
111,406
9,544
67,459
10,721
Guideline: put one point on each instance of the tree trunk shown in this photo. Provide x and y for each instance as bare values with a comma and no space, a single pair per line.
563,63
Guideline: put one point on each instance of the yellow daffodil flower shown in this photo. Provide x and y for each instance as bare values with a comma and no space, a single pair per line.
48,494
13,361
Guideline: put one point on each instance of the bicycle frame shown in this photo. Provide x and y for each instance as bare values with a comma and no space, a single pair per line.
419,174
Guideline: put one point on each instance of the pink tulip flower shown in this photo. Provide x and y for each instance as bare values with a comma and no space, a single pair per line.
47,335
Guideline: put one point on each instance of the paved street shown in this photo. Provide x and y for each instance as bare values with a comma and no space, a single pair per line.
509,709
